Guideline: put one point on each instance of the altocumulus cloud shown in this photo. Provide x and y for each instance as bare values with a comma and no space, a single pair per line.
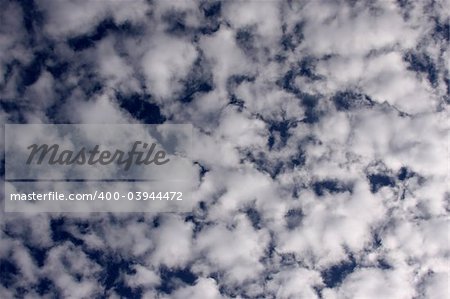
321,141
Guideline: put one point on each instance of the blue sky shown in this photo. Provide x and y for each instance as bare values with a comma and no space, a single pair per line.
321,136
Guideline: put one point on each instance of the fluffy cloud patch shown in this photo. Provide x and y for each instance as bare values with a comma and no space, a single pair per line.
319,154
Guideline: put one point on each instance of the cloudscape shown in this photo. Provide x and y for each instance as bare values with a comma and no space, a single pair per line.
318,147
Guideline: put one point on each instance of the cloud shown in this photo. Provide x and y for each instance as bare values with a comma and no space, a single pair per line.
78,17
236,251
369,283
320,141
204,288
167,61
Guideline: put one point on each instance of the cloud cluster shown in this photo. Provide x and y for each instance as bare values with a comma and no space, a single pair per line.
320,138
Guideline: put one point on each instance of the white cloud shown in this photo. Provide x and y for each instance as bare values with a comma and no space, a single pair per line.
234,250
295,51
204,288
142,278
225,57
374,283
79,17
174,243
166,61
295,283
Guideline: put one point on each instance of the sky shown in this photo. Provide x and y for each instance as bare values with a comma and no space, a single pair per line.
320,139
